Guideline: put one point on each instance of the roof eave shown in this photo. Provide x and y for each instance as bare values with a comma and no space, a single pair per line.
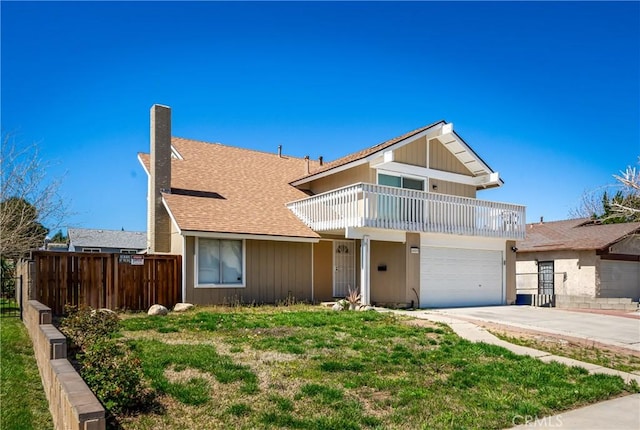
254,236
366,158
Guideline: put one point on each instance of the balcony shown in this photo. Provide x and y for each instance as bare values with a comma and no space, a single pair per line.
382,207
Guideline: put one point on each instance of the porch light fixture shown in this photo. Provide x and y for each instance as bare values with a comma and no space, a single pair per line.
514,249
434,187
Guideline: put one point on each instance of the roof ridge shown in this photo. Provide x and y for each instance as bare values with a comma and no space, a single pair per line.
105,229
241,148
558,221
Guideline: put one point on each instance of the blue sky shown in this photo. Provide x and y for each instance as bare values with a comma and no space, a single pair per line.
547,93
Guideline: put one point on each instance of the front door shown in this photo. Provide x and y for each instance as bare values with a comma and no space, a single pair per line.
344,267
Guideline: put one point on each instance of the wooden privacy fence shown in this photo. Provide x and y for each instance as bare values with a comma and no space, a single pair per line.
114,281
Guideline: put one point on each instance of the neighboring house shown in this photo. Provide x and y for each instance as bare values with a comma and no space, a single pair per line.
581,261
399,221
56,246
120,241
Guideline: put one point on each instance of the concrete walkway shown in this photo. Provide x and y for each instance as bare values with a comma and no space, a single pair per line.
617,414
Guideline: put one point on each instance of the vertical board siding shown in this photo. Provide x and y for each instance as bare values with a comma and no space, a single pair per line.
274,271
361,173
453,188
100,281
388,286
414,153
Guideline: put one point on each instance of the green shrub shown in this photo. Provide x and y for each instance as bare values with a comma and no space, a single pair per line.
84,325
111,369
7,278
114,374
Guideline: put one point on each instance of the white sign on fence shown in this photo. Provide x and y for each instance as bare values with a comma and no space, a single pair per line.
137,260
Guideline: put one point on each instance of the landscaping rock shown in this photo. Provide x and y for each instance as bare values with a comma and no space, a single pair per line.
181,307
367,308
337,307
157,310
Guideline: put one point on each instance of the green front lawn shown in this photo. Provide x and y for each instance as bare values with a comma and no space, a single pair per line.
22,401
306,368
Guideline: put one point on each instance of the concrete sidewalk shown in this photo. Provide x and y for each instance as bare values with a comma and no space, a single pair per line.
617,414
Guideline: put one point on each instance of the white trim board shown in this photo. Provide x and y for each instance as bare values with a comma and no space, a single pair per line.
376,234
428,173
223,235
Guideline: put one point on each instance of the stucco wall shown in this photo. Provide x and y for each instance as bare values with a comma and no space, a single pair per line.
579,266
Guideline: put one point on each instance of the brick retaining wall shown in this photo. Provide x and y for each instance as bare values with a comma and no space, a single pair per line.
72,404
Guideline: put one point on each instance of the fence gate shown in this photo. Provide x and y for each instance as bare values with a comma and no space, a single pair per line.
10,297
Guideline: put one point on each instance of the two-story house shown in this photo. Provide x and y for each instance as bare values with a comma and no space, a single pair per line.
399,221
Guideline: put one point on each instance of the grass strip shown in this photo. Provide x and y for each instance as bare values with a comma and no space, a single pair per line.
23,405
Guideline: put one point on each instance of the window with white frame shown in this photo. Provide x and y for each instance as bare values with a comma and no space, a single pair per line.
128,251
91,250
400,209
220,262
401,182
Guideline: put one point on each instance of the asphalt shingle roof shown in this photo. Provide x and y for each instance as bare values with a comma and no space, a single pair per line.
253,189
574,234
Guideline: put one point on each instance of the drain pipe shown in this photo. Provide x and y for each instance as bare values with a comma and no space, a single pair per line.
417,297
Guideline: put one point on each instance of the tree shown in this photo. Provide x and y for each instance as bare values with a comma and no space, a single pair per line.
28,199
629,207
7,278
21,230
623,206
59,237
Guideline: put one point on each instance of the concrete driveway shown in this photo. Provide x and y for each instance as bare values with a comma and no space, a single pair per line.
606,329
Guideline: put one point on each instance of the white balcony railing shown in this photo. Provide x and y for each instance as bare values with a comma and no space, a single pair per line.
379,206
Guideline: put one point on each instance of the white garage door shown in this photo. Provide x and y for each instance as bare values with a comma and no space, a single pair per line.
452,277
620,279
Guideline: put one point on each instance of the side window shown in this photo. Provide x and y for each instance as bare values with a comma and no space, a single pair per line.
220,262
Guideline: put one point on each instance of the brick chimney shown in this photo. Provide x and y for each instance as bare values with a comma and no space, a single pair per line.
158,222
